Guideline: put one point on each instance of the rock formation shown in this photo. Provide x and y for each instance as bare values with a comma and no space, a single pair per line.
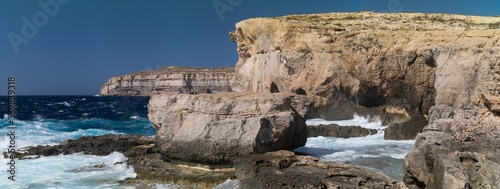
407,129
353,61
217,128
334,130
284,169
94,145
171,80
432,68
412,69
461,145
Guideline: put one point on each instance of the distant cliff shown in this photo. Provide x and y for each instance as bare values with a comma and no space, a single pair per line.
171,79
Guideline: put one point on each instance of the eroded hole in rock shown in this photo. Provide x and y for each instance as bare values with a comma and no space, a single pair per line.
274,88
369,97
300,91
431,62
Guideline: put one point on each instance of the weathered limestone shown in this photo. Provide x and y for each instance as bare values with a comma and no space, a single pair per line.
351,61
284,169
171,79
432,67
461,145
217,128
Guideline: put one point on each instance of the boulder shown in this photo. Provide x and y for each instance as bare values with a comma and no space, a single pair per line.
407,130
216,128
284,169
334,130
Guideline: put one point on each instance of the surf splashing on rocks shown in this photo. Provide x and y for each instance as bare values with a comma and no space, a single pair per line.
372,151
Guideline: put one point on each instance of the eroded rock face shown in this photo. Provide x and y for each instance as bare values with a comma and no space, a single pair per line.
284,169
406,130
334,130
455,153
434,67
171,79
460,146
350,61
216,128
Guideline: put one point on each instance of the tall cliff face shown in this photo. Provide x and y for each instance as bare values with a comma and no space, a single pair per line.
171,80
352,60
442,68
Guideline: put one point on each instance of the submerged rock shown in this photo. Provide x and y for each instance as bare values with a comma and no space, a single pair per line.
217,128
334,130
284,169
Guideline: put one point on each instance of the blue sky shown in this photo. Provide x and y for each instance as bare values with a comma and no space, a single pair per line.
82,43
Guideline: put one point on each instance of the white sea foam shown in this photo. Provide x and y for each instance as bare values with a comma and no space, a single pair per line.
356,121
229,184
371,151
70,171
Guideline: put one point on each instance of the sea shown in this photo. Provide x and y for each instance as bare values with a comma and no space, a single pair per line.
50,120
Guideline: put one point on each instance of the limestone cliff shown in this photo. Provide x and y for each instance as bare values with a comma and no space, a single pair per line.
443,69
171,80
352,60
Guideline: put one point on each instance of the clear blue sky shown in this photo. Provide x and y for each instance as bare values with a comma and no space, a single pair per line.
78,47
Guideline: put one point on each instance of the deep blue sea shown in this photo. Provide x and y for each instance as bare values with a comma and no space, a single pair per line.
49,120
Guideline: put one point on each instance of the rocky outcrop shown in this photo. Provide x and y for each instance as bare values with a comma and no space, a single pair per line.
217,128
171,79
353,61
460,146
94,145
334,130
284,169
407,130
435,68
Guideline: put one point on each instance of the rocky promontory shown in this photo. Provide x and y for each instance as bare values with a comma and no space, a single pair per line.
217,128
171,79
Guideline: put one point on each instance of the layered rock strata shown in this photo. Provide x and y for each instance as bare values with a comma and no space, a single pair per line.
284,169
171,80
334,130
217,128
353,61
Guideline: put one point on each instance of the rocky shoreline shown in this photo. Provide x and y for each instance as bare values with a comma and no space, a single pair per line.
430,77
268,170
